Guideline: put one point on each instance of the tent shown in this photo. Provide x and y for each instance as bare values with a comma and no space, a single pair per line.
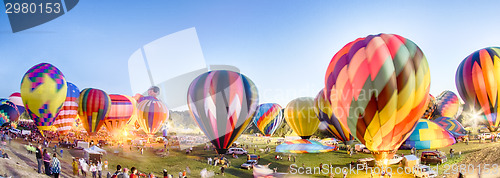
93,154
97,149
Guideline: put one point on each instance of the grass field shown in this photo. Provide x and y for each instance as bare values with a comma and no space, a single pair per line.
178,160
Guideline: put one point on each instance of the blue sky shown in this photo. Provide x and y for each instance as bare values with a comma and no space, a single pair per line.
283,46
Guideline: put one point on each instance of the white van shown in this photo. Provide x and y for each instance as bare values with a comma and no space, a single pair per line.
238,151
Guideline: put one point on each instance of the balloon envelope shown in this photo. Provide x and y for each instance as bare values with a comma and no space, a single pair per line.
222,103
122,109
324,112
8,111
448,105
43,91
151,115
300,116
303,146
67,115
477,80
268,118
379,87
93,108
18,101
429,135
431,106
452,125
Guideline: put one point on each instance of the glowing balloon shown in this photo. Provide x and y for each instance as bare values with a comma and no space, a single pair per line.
452,125
477,80
268,118
379,88
94,106
122,109
8,111
67,115
151,114
18,101
429,135
222,103
43,90
300,116
324,112
448,105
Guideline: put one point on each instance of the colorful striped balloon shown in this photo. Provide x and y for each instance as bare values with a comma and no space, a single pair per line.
452,125
151,115
324,112
478,83
429,135
18,101
268,118
222,103
304,146
8,112
122,109
43,90
93,107
448,105
431,106
379,88
300,116
66,118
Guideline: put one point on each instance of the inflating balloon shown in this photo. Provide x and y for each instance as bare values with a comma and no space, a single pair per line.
268,118
93,108
8,111
222,103
429,135
379,87
448,105
431,106
67,115
18,101
151,114
477,80
324,112
452,125
43,91
300,116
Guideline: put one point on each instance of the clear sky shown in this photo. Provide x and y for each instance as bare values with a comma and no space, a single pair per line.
283,46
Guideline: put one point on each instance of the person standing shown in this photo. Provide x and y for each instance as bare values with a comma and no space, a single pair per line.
106,165
46,162
93,170
222,170
133,173
55,166
74,164
99,169
39,158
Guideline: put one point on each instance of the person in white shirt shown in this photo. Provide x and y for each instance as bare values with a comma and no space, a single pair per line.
93,170
99,169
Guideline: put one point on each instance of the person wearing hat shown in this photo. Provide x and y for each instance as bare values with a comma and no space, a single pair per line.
125,172
75,167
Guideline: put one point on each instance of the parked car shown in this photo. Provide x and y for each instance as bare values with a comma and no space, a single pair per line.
486,135
67,145
395,160
238,151
424,171
249,164
437,157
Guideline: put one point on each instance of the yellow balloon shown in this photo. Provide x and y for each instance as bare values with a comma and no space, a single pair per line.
300,116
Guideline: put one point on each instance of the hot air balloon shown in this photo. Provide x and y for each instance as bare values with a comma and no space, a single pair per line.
300,116
268,118
8,112
69,111
452,125
324,112
448,105
379,88
122,109
18,101
43,91
93,107
151,114
429,135
431,106
222,103
477,80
